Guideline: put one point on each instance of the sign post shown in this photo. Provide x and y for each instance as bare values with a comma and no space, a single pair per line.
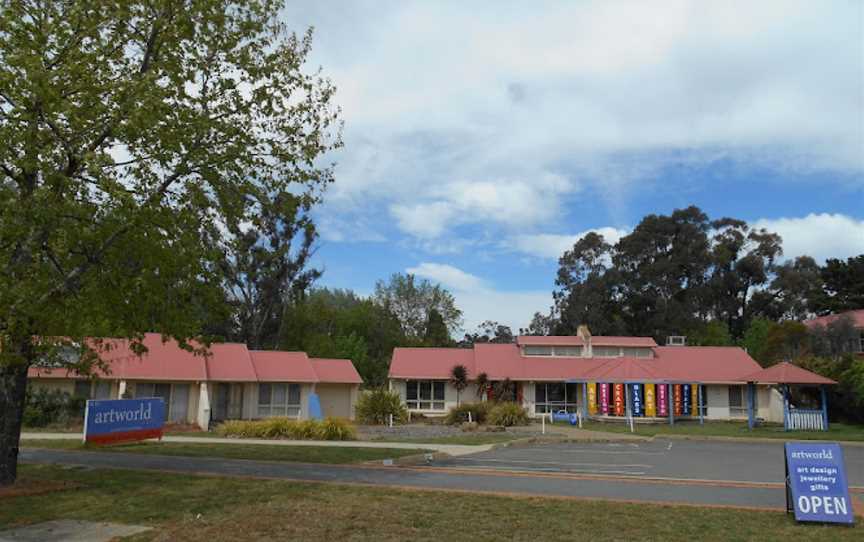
816,484
123,420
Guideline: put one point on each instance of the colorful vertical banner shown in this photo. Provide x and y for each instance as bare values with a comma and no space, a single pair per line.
676,399
663,400
685,399
618,397
694,400
603,392
650,401
592,398
636,399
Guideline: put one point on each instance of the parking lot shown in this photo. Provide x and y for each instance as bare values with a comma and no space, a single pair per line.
674,459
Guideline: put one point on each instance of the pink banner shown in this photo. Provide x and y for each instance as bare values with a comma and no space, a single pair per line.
662,400
603,390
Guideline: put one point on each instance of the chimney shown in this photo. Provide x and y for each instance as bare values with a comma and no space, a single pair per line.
585,334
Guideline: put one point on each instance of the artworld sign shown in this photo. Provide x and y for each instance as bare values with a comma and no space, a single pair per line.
816,484
124,420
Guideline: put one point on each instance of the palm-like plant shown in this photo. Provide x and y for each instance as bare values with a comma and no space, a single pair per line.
482,384
459,379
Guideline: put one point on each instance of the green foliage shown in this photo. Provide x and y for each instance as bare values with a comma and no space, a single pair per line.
459,414
436,333
287,428
44,407
846,399
375,406
786,341
713,333
843,285
490,331
508,414
756,340
340,324
413,301
459,379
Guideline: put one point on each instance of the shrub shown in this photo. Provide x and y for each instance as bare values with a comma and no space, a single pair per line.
459,414
508,414
375,407
287,428
44,407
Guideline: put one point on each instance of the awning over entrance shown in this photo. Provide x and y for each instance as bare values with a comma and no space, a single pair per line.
785,374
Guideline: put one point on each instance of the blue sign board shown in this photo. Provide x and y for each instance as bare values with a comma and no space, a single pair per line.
816,487
636,399
120,420
315,407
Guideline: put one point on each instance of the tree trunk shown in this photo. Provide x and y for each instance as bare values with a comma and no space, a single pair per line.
13,383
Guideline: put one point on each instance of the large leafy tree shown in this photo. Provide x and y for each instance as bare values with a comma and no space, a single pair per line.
131,133
489,331
843,285
412,302
266,264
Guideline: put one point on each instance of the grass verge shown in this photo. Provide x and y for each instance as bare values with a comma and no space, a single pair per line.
466,439
261,452
211,509
836,431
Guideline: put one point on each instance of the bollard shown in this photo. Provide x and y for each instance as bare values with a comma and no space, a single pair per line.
543,424
469,416
391,420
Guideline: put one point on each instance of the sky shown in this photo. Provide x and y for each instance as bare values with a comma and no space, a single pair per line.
482,139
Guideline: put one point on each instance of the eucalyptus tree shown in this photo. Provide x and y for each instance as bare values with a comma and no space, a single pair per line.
133,133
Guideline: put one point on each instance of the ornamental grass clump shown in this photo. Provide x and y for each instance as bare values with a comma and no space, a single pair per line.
459,414
508,414
287,428
376,406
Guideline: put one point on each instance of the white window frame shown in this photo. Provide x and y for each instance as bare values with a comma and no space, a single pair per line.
547,351
570,404
740,411
432,403
285,408
617,350
636,352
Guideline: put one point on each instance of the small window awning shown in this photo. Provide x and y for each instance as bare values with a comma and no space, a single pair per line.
787,373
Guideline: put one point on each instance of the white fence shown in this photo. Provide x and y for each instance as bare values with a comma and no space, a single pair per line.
805,420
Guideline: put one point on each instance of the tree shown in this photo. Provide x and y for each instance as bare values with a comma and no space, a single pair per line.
713,333
843,285
488,332
263,270
540,324
436,330
587,289
412,301
793,292
133,133
482,382
755,340
459,379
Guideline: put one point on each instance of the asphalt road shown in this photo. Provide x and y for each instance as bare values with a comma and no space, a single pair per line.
597,476
688,459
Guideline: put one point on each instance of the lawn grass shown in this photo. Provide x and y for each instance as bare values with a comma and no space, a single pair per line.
261,452
466,439
836,431
213,509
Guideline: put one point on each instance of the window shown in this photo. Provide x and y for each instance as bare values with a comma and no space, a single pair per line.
538,350
606,351
555,396
103,390
424,394
637,352
82,389
176,397
278,400
738,400
569,351
861,343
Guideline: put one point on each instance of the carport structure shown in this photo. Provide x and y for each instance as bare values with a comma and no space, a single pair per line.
784,375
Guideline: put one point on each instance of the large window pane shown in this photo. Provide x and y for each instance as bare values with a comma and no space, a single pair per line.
538,350
555,392
103,390
144,389
293,394
439,391
179,403
540,393
572,351
280,394
572,393
162,390
605,351
265,391
411,390
82,389
426,390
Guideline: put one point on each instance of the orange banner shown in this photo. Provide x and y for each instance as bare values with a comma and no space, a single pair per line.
694,390
618,398
592,398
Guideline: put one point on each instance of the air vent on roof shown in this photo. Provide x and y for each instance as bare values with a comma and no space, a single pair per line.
676,340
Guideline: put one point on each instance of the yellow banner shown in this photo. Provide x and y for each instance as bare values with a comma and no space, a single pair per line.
650,401
592,398
694,391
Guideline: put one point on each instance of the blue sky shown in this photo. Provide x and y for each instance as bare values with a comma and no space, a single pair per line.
483,138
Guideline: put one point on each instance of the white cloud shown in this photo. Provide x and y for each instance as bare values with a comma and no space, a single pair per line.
553,246
449,276
821,236
480,301
442,104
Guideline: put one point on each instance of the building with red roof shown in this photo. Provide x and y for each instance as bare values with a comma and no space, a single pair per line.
855,317
229,381
595,375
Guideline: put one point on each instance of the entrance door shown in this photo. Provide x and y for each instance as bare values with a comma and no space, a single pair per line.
229,402
235,402
179,403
